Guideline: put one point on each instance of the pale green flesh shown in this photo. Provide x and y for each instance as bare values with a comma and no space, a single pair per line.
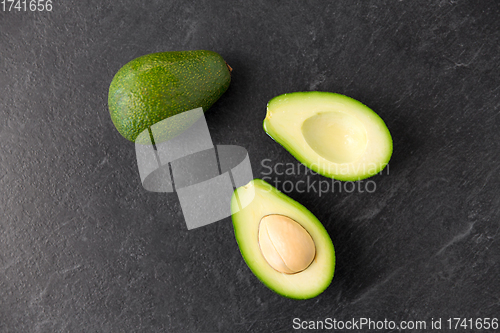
345,134
262,199
332,134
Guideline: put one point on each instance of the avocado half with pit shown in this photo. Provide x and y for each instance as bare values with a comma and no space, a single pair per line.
332,134
281,241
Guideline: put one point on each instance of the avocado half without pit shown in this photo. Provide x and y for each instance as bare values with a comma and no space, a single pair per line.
281,241
332,134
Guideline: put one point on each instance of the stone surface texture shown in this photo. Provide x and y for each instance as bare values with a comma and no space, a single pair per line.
84,248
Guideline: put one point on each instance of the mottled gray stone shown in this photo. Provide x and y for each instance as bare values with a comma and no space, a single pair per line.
84,248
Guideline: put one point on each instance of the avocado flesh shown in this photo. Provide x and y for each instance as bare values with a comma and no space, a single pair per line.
156,86
260,199
332,134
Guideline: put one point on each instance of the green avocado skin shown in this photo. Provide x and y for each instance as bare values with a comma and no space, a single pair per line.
156,86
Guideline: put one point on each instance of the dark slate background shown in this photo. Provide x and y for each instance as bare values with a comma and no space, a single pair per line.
84,248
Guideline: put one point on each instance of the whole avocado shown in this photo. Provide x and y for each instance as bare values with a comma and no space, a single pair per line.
156,86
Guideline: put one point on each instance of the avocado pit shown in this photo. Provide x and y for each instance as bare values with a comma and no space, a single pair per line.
285,244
